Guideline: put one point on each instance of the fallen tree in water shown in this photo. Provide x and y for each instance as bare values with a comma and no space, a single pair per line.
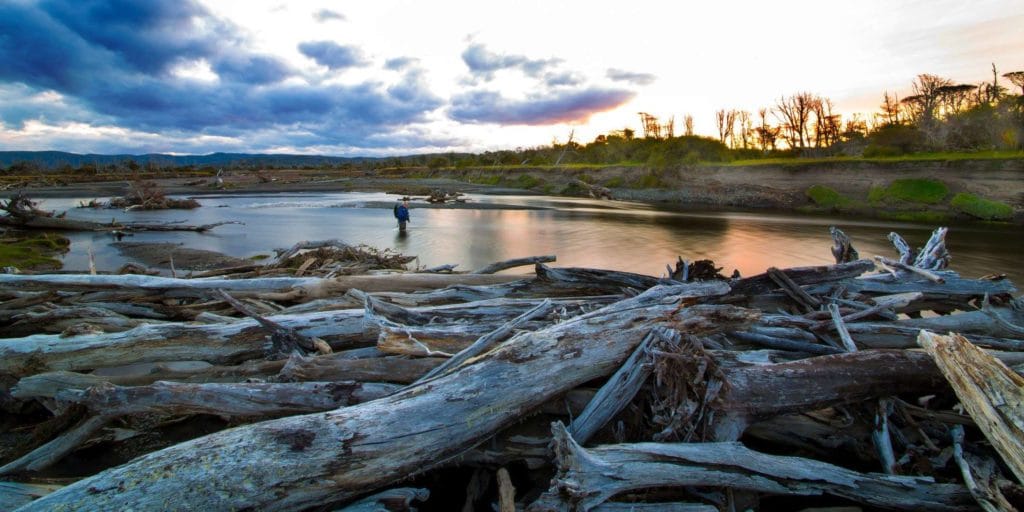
798,387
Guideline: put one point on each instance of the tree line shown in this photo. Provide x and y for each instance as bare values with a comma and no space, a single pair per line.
939,115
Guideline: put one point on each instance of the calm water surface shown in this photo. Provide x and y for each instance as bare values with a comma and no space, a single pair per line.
614,235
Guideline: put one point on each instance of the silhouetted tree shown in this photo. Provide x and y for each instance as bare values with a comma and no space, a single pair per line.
795,113
890,108
1016,78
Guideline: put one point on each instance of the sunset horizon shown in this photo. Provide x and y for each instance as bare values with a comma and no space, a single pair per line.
402,78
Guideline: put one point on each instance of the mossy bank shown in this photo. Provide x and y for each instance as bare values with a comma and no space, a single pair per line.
909,190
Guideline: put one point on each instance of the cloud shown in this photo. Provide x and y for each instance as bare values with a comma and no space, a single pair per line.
562,78
556,107
619,75
325,15
333,55
400,63
483,63
117,66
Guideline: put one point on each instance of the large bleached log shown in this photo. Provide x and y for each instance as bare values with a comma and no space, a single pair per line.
979,327
305,460
587,478
48,384
256,399
309,287
107,402
992,393
217,343
513,263
235,341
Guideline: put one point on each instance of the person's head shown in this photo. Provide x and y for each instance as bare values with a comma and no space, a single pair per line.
405,201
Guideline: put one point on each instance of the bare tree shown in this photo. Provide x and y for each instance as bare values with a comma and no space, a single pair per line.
826,124
688,125
794,113
745,128
651,127
890,108
1016,78
767,135
726,120
855,128
927,99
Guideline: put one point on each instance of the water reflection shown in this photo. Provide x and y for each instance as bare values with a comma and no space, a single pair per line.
626,236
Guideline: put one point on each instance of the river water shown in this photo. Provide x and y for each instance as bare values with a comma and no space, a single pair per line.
627,236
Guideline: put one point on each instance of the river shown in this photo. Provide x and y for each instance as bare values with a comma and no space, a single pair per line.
628,236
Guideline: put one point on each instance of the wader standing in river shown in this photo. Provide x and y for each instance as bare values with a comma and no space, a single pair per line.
402,214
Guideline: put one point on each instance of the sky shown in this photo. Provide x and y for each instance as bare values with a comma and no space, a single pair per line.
397,77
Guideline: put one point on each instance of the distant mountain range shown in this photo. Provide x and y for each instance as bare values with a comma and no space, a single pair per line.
55,159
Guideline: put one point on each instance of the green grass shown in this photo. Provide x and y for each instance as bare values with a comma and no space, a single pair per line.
615,182
980,207
35,252
913,157
826,197
912,190
876,195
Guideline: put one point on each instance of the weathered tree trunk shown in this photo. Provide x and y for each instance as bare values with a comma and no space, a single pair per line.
992,393
167,398
243,339
306,460
589,477
494,268
311,287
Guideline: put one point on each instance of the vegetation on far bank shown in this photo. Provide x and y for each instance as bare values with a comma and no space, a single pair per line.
32,251
912,200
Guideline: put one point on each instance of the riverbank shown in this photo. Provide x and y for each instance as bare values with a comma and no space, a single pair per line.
928,191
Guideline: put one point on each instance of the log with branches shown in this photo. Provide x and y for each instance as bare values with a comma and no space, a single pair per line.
796,388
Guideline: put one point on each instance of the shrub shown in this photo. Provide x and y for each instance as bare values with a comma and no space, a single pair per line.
875,151
649,180
876,194
528,181
917,191
614,182
980,207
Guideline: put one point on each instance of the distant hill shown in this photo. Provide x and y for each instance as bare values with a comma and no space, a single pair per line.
55,159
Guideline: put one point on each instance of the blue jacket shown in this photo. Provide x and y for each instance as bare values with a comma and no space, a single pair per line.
402,213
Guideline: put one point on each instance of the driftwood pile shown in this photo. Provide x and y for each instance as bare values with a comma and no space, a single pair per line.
439,196
21,212
573,389
144,195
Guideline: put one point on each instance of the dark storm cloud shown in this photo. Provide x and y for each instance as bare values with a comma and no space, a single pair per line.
324,15
332,55
148,36
483,63
630,77
116,63
555,107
